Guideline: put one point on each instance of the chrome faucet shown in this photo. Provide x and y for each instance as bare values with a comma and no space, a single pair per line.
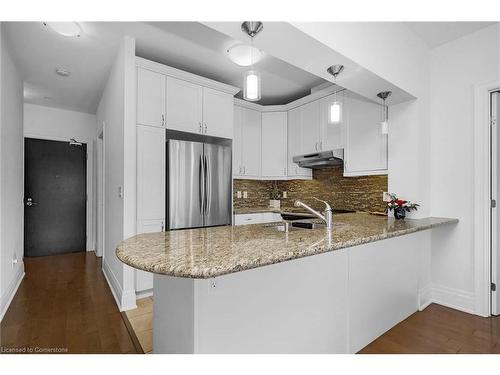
327,216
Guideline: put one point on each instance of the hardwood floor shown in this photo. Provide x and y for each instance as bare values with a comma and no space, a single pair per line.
65,302
439,329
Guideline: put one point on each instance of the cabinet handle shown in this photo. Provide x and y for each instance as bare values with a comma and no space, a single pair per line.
321,146
316,146
244,169
163,226
205,128
162,120
240,169
201,129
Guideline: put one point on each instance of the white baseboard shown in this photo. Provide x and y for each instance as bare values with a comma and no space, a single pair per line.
124,300
144,294
9,294
453,298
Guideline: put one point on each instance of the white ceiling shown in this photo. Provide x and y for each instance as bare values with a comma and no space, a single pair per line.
38,50
437,33
189,46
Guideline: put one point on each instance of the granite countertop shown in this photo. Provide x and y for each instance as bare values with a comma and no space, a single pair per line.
210,252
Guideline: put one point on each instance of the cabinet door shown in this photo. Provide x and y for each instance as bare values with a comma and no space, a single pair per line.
366,147
184,106
218,113
150,177
237,141
331,135
251,143
274,139
150,98
310,128
294,142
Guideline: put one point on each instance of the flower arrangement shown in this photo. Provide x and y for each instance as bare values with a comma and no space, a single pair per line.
400,206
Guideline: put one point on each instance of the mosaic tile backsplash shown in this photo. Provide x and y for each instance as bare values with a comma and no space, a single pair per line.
349,193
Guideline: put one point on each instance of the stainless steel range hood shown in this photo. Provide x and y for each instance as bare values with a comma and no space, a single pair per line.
323,159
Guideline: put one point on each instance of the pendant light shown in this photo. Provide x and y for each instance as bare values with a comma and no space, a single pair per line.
384,124
335,110
251,79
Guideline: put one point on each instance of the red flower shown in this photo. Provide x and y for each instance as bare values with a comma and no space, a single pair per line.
400,202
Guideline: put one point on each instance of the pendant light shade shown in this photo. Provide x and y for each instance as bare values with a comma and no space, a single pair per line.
251,79
251,86
384,124
335,110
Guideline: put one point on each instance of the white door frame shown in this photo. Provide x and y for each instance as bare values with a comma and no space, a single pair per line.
482,197
494,195
90,243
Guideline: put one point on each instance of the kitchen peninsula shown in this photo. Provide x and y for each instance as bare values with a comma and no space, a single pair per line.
256,289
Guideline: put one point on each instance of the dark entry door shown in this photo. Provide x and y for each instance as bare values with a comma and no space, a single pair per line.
55,195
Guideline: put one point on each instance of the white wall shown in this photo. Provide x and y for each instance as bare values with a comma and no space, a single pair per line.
55,123
455,68
61,125
114,117
11,180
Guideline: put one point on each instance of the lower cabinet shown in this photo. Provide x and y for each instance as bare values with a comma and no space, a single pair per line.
151,191
257,218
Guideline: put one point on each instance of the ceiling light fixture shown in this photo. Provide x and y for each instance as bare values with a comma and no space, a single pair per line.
335,112
384,124
241,54
251,80
67,29
63,72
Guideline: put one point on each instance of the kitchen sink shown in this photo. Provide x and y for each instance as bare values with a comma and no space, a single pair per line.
287,226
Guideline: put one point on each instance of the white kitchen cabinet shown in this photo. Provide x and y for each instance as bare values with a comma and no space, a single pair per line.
310,139
331,135
184,106
217,113
256,218
294,136
150,188
247,143
150,98
365,151
274,145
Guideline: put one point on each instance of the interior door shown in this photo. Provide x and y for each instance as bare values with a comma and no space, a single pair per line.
185,192
218,184
495,212
55,195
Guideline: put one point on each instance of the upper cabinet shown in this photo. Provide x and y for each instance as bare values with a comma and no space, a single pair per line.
274,145
310,126
184,106
365,150
331,134
177,100
294,136
150,98
247,143
217,113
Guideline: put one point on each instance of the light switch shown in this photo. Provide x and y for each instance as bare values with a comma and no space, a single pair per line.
285,194
245,195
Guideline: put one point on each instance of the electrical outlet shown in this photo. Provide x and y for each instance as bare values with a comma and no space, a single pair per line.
245,195
285,194
238,194
386,197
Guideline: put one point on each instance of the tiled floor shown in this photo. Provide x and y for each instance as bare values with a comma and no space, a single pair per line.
141,320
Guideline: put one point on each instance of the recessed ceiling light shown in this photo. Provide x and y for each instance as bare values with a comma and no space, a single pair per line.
243,54
63,72
68,29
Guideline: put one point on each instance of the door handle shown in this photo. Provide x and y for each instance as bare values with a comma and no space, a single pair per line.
208,181
29,202
202,185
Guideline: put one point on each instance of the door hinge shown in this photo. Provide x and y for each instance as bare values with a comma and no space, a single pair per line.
493,203
493,287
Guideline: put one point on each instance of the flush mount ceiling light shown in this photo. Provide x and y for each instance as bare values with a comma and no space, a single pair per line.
384,124
242,54
251,80
67,29
335,112
63,72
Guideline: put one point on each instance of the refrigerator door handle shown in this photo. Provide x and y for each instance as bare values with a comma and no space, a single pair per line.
208,182
202,185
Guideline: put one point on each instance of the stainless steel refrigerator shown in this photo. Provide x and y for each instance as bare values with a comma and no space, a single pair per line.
198,182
